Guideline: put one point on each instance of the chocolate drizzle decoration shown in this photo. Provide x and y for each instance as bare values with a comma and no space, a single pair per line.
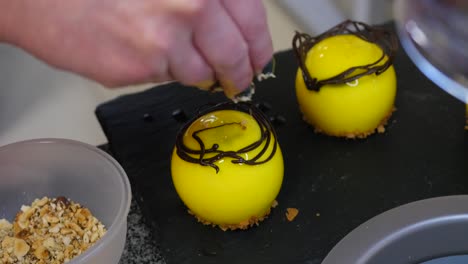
199,156
380,36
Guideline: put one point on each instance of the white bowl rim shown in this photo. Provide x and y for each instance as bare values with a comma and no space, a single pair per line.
121,218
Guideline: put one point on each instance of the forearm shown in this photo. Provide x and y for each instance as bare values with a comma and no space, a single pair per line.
28,25
123,42
7,11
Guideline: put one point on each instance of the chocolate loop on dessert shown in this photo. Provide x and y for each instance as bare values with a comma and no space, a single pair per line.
380,36
199,156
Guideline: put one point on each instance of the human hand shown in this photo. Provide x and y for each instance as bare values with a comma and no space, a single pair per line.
122,42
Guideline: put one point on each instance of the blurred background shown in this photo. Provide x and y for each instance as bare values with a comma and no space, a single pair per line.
38,101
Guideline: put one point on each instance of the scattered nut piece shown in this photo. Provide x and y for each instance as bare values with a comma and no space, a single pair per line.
49,243
40,202
25,208
94,237
274,204
66,231
41,253
55,229
8,242
20,248
381,129
51,219
66,240
291,213
5,225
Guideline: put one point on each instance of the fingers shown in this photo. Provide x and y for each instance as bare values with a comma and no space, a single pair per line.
251,19
186,63
222,45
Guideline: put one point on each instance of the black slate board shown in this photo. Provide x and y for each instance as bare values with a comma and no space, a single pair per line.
336,184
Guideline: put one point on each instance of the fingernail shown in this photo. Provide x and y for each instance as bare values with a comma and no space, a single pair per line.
230,89
183,6
230,93
205,85
245,95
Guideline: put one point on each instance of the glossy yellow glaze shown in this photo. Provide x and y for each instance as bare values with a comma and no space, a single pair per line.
352,109
239,192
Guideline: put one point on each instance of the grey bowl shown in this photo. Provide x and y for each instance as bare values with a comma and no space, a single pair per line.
412,233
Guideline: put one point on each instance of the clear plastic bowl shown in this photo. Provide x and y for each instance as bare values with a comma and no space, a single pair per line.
435,36
58,167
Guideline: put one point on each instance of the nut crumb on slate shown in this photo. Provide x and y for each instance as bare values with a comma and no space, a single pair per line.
274,204
291,213
50,231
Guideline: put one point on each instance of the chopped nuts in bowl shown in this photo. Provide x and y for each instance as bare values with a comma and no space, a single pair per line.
89,192
49,231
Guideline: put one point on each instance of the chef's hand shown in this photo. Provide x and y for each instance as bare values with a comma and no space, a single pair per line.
122,42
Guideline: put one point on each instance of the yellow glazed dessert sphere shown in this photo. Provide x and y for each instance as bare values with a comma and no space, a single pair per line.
238,195
353,109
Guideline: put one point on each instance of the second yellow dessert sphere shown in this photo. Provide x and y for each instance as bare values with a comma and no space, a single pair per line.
353,109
